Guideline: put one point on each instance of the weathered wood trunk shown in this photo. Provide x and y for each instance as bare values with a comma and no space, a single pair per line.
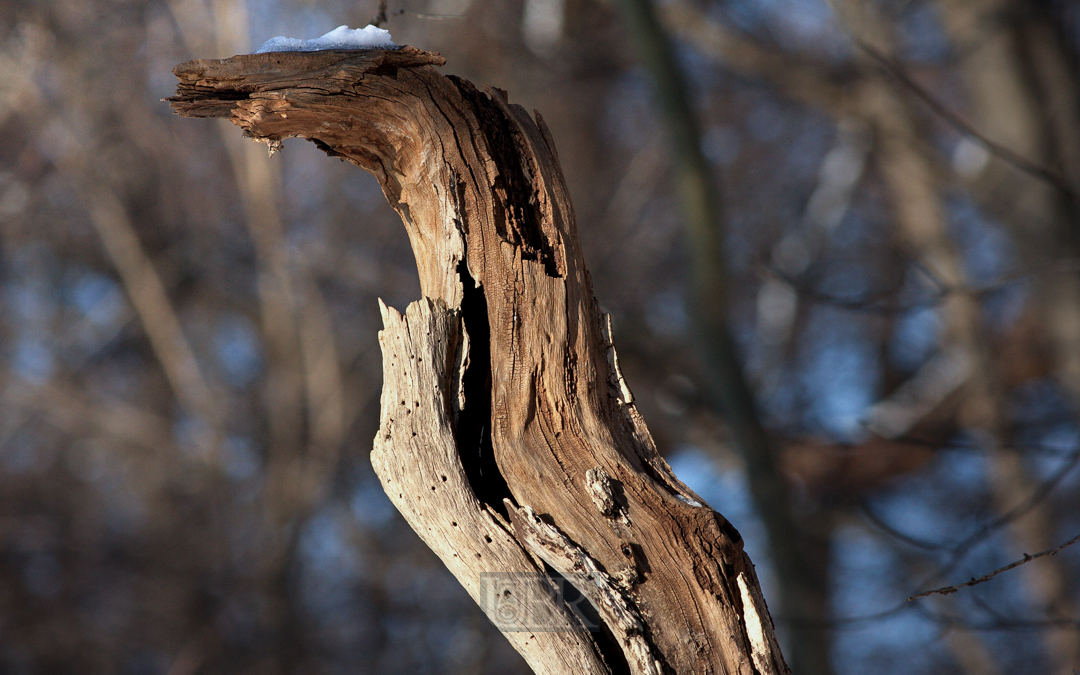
509,440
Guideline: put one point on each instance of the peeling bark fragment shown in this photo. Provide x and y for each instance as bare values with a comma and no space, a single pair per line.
627,577
571,561
758,628
617,380
603,493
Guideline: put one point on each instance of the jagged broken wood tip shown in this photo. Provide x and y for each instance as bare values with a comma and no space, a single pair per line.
211,87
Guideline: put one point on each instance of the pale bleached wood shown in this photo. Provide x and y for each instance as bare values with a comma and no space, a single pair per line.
416,458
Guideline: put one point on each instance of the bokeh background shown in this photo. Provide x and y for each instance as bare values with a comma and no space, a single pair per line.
189,371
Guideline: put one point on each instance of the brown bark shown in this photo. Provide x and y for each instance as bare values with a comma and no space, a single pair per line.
509,439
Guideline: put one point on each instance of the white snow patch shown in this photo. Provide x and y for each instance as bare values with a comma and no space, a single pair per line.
368,37
687,500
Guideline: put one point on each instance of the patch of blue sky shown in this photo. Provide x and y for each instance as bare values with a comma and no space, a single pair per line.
921,35
193,436
910,513
841,375
767,120
807,18
943,505
782,403
1038,402
914,338
1061,439
722,144
848,281
31,301
1058,459
240,458
745,14
1046,430
795,24
370,506
728,492
988,251
96,308
864,573
1048,442
32,358
665,313
97,297
236,344
901,645
963,470
953,474
331,563
1007,593
867,579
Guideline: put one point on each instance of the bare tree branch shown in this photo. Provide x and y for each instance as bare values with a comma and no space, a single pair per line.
945,590
803,79
156,312
1024,164
507,356
726,383
380,16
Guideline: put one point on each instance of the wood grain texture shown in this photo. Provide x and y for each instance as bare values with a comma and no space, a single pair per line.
417,461
530,408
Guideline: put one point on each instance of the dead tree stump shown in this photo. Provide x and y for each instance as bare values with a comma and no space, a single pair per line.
509,439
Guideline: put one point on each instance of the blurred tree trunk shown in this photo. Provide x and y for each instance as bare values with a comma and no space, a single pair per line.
800,550
1024,96
906,165
1008,114
509,439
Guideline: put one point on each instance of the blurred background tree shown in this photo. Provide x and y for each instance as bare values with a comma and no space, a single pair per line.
189,369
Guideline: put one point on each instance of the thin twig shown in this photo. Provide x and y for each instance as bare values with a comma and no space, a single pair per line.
380,18
433,17
888,529
384,15
945,590
1004,153
874,302
803,79
1037,496
958,553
